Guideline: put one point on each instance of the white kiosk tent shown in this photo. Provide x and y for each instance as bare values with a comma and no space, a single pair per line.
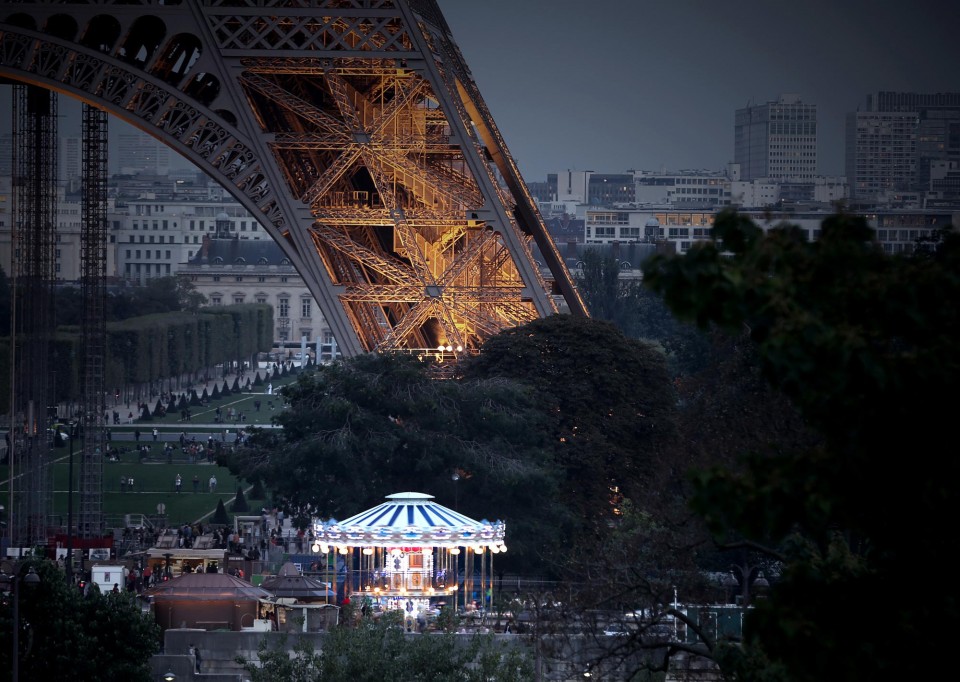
407,553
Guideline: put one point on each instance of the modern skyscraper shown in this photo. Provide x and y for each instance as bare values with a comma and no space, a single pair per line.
881,152
897,137
139,153
777,140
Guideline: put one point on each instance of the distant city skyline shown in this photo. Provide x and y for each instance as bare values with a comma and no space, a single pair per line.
612,85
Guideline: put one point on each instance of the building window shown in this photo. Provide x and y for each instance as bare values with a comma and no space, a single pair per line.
305,308
284,306
215,300
261,299
238,300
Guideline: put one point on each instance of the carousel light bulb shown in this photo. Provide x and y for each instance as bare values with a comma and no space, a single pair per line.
503,548
440,348
455,551
344,550
494,549
459,349
478,549
368,551
449,349
316,548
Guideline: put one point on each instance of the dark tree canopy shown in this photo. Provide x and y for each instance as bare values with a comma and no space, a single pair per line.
358,430
609,401
97,637
864,344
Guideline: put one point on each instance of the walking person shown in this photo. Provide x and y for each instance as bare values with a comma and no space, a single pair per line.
178,482
195,650
155,434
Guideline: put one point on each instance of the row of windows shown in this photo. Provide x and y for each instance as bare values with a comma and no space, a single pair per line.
146,254
240,278
155,224
202,225
147,269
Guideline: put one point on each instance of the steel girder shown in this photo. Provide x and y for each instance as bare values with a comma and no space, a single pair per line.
351,128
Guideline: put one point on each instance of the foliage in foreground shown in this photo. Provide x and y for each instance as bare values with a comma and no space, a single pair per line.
865,345
379,650
66,636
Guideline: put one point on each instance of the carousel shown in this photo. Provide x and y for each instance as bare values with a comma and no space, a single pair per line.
411,554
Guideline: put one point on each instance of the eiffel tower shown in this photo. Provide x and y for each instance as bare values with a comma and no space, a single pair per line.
352,129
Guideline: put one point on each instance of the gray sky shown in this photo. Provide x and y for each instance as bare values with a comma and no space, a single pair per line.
609,85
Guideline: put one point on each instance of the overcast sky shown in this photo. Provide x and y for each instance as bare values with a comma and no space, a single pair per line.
610,85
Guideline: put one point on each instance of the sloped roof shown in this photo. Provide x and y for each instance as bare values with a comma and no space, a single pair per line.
410,518
207,587
289,582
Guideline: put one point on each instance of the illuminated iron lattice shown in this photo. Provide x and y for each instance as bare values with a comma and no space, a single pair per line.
351,127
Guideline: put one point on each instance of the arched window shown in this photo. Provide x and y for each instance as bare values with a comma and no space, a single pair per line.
179,55
204,88
142,42
101,33
61,26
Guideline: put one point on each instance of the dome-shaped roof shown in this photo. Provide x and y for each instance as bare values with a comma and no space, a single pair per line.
207,587
222,215
410,517
289,582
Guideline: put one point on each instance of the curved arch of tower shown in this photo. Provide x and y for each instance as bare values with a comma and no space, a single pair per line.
351,128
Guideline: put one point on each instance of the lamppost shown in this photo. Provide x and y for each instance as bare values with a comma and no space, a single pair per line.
13,580
71,434
747,572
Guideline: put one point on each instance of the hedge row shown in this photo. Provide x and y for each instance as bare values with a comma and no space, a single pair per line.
157,347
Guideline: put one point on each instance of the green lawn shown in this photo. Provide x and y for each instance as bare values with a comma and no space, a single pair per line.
154,476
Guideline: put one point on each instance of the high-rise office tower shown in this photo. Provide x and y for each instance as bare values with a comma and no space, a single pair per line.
895,139
139,153
777,140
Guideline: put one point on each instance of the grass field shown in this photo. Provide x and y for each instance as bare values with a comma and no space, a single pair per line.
154,477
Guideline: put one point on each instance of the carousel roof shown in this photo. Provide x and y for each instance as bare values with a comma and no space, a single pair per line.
207,587
408,518
289,582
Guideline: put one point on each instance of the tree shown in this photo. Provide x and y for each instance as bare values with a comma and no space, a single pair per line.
240,502
863,343
370,426
379,650
609,401
607,295
220,516
68,633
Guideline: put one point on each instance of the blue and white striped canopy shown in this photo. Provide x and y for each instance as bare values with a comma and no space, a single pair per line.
410,519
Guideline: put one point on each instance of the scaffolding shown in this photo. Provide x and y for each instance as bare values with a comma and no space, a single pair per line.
93,272
33,242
